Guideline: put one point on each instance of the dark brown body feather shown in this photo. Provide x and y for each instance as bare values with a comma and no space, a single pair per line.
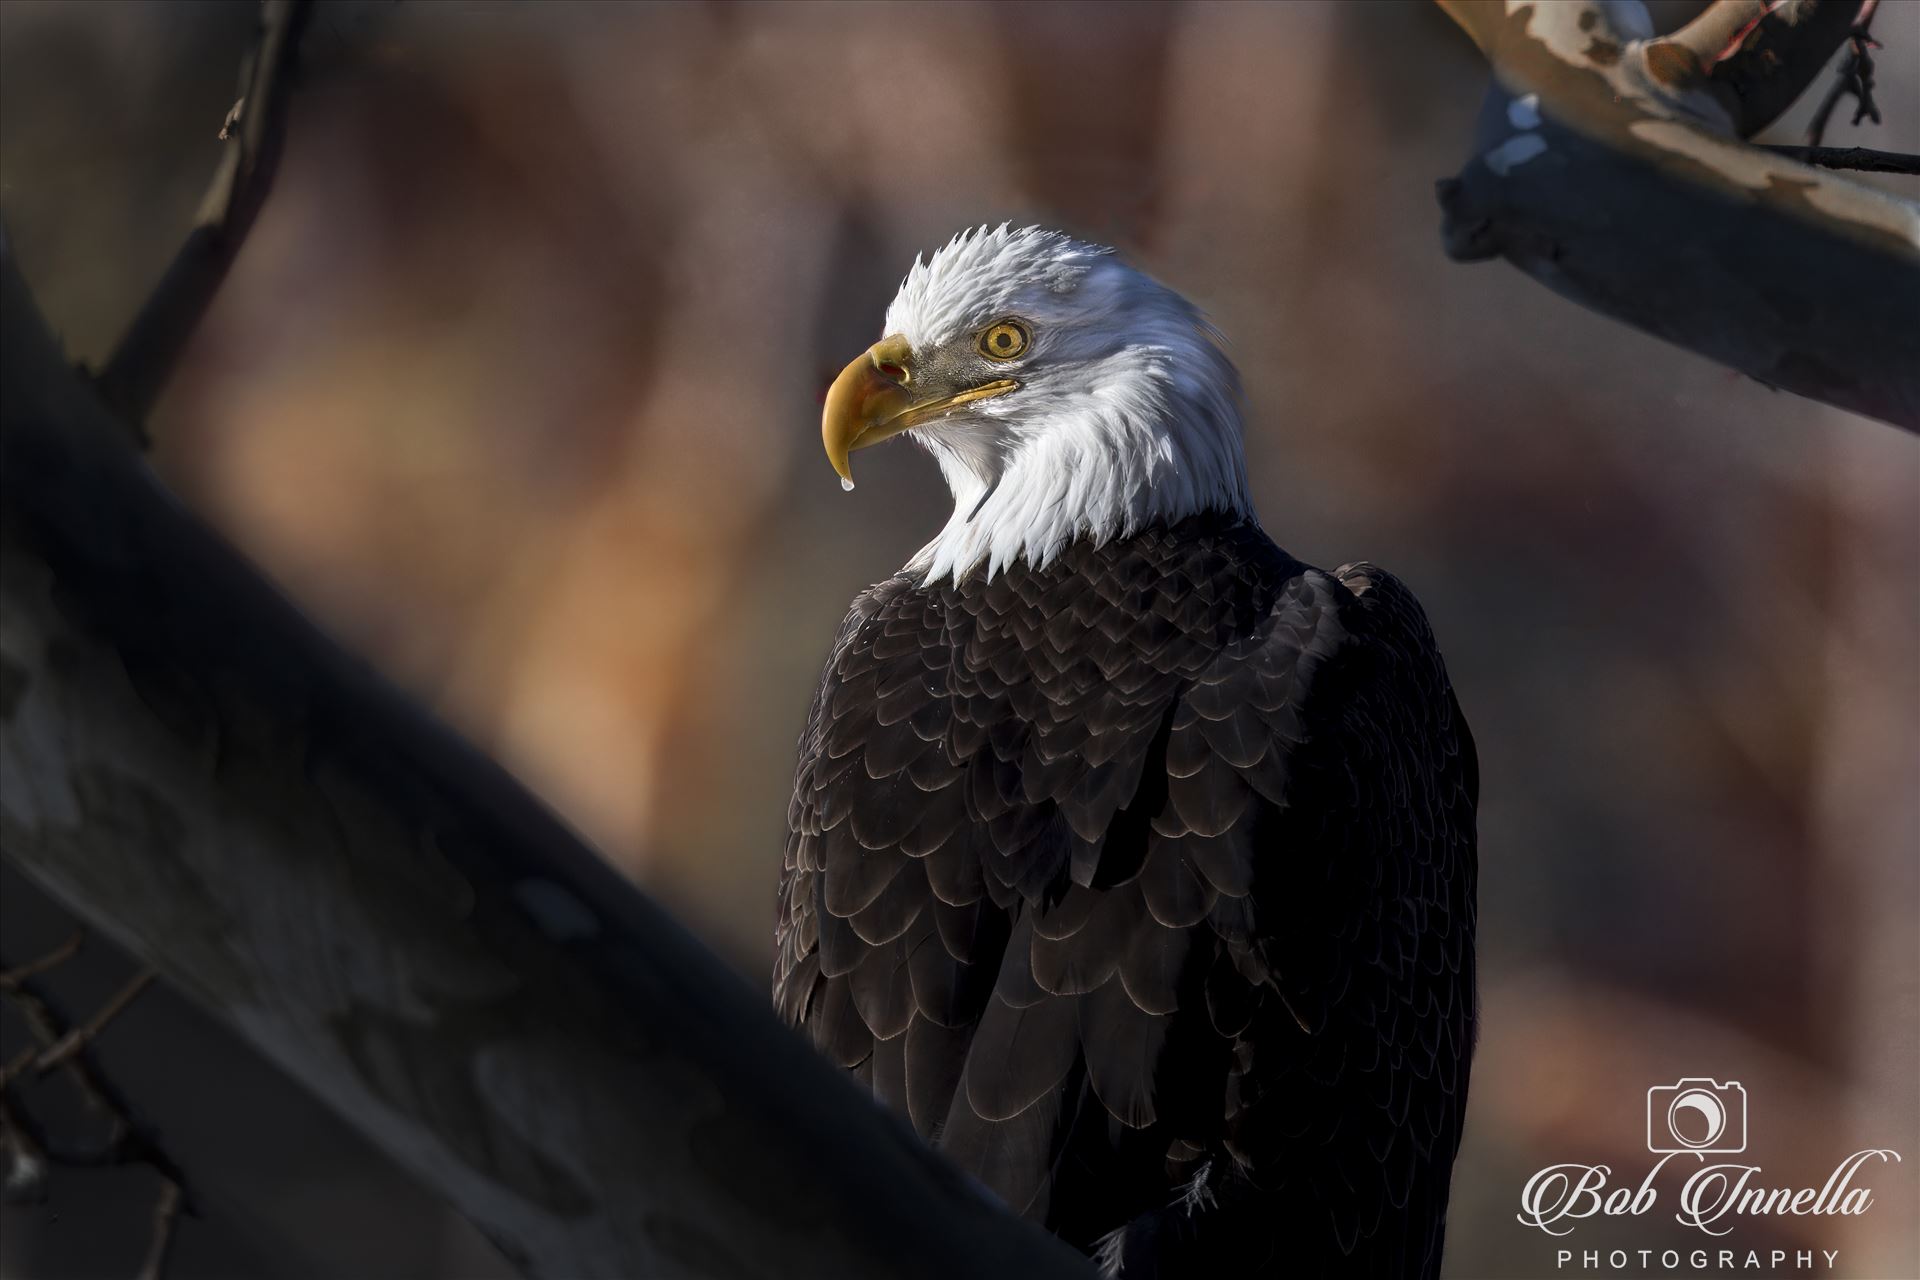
1143,884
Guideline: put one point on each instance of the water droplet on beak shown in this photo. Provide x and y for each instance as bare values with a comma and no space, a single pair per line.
846,485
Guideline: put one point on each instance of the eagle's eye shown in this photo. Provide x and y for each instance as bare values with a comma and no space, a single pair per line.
1005,340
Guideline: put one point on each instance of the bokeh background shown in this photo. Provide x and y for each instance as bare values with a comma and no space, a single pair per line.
515,387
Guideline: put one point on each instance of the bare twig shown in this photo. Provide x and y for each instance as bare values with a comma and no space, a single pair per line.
67,1047
1861,159
126,1142
31,1153
1856,78
166,1212
48,1027
26,1176
10,979
147,354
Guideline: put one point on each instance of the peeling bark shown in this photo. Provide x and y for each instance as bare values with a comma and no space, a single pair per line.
1611,167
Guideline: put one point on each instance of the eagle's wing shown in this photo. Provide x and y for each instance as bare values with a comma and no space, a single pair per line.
1154,868
1337,740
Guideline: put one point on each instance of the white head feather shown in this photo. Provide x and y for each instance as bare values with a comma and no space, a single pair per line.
1127,413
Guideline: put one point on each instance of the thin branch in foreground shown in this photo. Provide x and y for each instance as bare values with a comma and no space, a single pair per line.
166,1212
47,1028
1855,77
1860,159
56,1045
31,1153
253,131
10,979
69,1046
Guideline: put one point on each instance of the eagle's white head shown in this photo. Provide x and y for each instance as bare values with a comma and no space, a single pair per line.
1064,394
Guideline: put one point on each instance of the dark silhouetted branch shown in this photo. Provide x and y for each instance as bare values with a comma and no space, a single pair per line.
193,768
1855,78
253,133
1863,159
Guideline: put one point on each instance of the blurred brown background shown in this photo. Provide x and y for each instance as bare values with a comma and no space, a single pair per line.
515,386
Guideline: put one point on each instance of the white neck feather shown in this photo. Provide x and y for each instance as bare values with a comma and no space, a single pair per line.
1127,411
1147,435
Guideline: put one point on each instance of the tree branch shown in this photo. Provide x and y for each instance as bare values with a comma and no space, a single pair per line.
69,1046
1856,78
190,766
11,979
56,1046
167,1207
1755,56
193,768
1863,159
33,1155
144,360
1615,175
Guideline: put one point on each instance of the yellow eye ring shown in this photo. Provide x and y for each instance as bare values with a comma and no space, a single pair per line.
1006,340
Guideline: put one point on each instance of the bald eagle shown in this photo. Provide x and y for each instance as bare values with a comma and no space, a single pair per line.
1131,859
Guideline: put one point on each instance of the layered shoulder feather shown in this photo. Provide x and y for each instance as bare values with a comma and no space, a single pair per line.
1143,884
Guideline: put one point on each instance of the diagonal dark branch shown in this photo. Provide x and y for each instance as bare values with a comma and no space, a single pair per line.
396,922
1855,78
192,767
1860,159
140,366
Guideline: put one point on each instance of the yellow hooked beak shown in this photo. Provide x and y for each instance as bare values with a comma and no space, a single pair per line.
875,399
